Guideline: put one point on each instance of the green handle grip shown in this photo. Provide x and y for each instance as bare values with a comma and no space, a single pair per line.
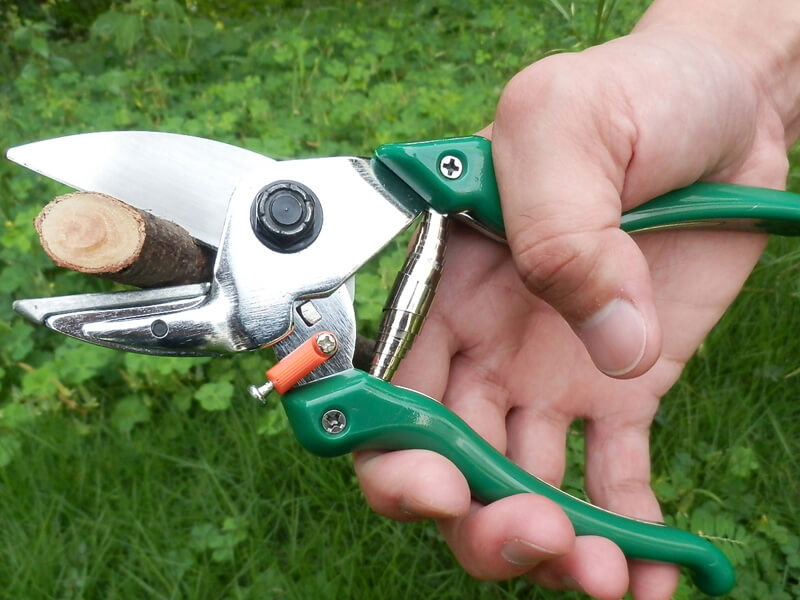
457,176
379,415
425,167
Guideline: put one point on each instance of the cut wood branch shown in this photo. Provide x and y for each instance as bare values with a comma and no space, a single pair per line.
96,234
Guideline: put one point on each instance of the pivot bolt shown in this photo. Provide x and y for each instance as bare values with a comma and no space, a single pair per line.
450,166
334,421
286,216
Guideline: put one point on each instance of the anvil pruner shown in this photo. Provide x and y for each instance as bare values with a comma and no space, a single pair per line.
289,236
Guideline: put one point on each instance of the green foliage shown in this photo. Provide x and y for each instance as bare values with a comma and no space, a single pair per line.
220,541
128,413
10,447
215,395
125,475
63,18
285,82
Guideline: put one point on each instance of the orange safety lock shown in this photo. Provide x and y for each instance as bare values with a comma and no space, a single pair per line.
301,361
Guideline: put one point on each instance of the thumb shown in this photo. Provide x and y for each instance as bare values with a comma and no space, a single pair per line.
560,183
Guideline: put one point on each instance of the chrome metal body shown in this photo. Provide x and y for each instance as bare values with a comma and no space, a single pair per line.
411,296
252,299
338,316
39,310
470,221
106,319
335,314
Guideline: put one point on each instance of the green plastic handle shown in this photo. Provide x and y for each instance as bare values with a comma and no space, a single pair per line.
379,415
425,167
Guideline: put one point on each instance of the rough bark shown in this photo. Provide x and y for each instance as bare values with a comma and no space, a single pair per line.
99,235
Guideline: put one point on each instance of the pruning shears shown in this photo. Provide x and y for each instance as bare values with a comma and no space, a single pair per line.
289,236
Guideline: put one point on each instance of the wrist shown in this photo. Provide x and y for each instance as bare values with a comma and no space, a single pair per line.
764,37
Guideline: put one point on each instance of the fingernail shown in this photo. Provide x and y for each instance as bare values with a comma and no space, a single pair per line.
570,583
524,554
615,337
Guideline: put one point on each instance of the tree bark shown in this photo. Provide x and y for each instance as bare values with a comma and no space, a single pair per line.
96,234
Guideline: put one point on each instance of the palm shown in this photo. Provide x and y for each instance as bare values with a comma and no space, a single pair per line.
519,375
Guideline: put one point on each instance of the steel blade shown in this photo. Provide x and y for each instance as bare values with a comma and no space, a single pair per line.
38,310
184,179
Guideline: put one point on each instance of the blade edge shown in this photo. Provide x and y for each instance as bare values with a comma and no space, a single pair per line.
185,179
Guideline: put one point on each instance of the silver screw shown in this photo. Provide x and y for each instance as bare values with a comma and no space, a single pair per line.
260,392
334,421
450,166
327,343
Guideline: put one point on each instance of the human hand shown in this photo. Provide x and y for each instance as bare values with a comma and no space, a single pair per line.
578,139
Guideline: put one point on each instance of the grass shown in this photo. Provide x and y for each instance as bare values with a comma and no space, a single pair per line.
110,516
197,504
737,401
113,516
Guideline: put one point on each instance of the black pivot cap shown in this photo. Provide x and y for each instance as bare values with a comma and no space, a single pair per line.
286,216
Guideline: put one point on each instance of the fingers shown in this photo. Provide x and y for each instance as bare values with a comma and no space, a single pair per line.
415,484
481,402
508,537
595,566
408,485
426,367
560,176
537,442
528,534
618,478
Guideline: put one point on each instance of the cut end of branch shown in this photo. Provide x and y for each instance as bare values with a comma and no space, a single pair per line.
96,234
91,232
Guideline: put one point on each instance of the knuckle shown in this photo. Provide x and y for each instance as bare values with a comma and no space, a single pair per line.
568,94
623,493
472,548
475,562
771,168
545,83
556,267
630,486
379,496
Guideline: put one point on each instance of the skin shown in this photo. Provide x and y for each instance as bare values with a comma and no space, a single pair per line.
511,342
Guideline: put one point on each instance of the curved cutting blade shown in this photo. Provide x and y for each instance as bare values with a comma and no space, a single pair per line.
184,179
